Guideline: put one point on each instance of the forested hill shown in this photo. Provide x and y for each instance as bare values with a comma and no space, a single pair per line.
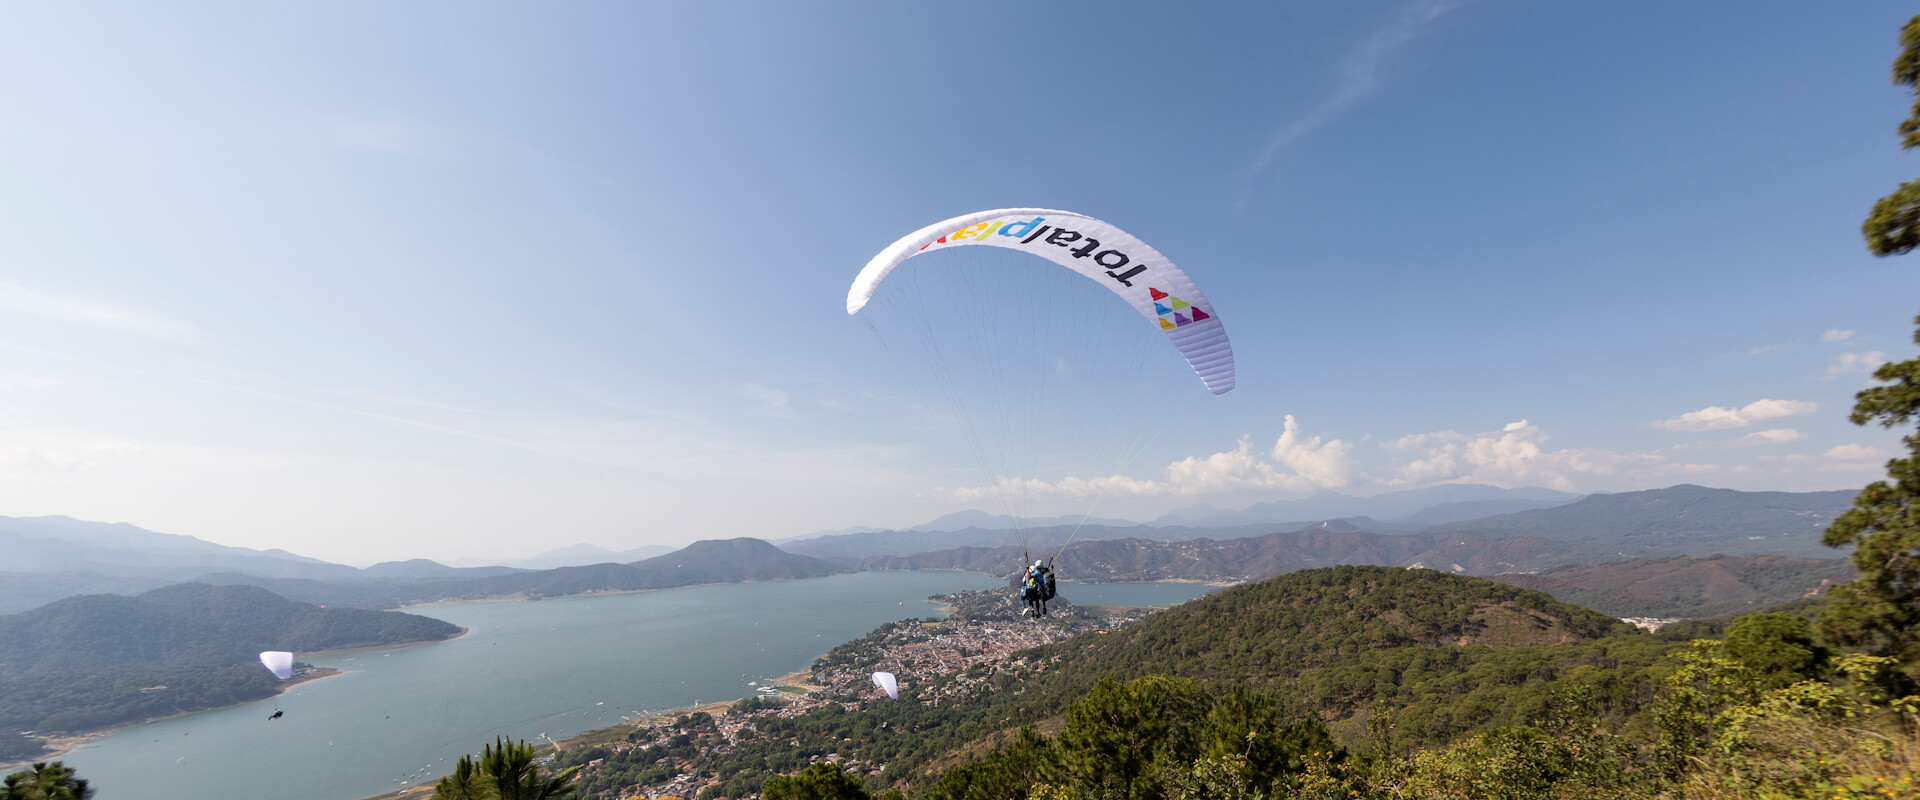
1441,654
1677,520
1688,586
192,624
95,660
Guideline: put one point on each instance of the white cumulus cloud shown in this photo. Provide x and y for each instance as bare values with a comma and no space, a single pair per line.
1854,364
1755,439
1855,452
1773,436
1294,463
1715,418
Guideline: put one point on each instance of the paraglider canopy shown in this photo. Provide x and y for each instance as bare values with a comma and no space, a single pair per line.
1139,274
278,662
885,680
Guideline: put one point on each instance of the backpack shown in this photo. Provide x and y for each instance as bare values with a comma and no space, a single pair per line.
1046,585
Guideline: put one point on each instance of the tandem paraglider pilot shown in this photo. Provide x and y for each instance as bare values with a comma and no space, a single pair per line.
1037,589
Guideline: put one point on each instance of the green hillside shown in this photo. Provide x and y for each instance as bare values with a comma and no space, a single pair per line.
1448,654
1443,655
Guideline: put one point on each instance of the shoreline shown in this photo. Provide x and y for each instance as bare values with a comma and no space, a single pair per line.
344,651
521,597
800,679
57,746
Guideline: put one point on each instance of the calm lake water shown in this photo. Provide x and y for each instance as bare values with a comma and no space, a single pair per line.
525,670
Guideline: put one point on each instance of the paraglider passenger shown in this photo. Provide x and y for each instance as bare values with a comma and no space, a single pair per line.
1033,589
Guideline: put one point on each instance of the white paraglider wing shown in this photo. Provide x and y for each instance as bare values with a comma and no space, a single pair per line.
885,680
278,662
1109,256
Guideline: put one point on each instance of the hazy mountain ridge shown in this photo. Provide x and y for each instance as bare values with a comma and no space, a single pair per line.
1389,507
1688,586
1682,520
1392,511
703,562
1242,559
25,553
1678,520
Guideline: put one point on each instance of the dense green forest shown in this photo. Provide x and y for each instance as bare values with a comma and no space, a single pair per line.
95,661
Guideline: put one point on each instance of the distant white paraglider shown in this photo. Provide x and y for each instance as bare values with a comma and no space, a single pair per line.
278,662
886,681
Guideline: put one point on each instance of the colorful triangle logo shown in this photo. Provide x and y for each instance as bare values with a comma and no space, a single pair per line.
1157,295
1179,304
1200,315
1165,325
1180,320
1161,310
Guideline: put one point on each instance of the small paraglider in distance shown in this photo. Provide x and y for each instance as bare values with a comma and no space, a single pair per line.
887,683
276,714
278,662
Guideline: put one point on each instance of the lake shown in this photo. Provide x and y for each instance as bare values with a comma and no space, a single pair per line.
552,668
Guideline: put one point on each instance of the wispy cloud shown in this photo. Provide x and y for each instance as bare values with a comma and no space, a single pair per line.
1359,79
768,401
1836,335
1756,439
18,381
1854,364
1715,418
1855,452
17,299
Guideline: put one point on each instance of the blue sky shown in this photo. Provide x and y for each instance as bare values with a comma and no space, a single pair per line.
440,280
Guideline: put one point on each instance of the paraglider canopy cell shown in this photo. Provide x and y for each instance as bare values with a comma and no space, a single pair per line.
886,681
278,662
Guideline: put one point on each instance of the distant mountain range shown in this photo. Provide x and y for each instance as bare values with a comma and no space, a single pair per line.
1677,521
43,559
1244,559
580,555
1414,507
1392,511
703,562
46,558
1688,586
64,544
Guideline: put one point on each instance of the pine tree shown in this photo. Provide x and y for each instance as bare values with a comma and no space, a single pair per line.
1881,610
505,771
45,781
